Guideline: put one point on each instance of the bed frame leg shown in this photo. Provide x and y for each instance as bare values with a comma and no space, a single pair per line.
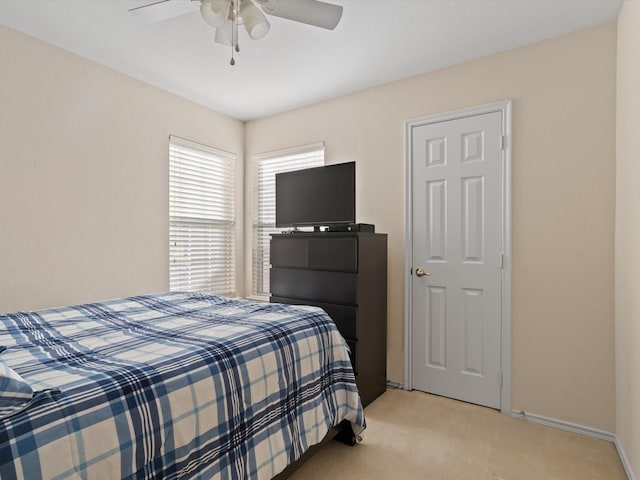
346,435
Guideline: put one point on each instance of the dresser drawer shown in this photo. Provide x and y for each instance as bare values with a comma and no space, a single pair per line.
342,315
330,253
289,252
353,355
315,285
340,254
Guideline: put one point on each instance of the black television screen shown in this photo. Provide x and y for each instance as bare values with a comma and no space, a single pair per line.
318,196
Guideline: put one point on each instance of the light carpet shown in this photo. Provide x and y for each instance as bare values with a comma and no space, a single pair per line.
414,435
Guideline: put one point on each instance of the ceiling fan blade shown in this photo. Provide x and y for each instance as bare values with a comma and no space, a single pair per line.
162,10
312,12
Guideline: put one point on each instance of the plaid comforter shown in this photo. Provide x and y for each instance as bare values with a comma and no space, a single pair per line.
173,385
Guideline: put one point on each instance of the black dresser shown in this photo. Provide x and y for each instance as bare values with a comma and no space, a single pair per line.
346,275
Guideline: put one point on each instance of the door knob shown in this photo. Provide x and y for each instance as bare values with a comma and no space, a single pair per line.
421,273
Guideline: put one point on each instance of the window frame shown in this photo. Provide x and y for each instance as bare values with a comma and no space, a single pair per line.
202,218
290,159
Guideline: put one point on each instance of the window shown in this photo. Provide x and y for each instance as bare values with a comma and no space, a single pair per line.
201,219
265,168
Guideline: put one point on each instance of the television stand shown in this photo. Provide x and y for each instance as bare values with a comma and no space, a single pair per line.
345,273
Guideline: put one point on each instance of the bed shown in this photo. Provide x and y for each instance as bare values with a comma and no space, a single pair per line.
171,385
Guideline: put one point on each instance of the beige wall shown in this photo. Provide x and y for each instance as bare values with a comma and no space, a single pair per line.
563,93
84,176
627,259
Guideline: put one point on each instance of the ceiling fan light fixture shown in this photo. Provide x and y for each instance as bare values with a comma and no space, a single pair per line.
224,34
254,20
226,15
215,12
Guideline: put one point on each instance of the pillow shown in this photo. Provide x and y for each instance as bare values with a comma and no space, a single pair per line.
14,390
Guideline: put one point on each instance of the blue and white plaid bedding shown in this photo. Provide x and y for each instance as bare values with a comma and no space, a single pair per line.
172,385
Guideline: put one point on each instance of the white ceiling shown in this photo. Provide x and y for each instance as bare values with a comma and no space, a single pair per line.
377,41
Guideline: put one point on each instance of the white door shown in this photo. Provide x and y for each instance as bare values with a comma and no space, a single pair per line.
457,242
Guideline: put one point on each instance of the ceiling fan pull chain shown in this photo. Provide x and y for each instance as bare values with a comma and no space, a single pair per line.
235,11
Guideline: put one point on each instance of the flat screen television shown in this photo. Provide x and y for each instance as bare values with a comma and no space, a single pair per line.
321,196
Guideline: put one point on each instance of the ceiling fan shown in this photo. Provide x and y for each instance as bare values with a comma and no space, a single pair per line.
226,15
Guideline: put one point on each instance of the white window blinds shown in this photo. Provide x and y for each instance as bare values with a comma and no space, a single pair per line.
265,168
201,218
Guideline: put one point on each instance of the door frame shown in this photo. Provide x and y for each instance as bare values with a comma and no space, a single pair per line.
504,107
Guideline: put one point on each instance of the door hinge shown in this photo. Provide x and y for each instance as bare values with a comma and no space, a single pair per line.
501,261
502,142
500,379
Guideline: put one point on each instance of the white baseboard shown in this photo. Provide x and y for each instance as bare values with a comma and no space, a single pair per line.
571,427
575,428
624,460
